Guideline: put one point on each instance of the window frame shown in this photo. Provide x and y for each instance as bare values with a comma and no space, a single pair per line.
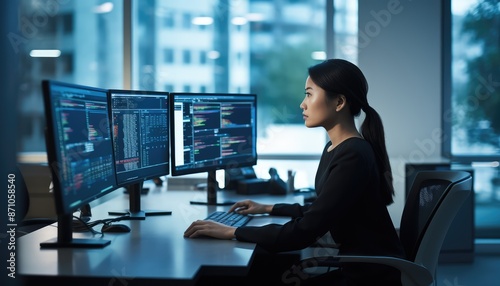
447,91
470,162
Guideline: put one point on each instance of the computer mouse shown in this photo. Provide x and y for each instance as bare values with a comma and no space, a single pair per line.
115,228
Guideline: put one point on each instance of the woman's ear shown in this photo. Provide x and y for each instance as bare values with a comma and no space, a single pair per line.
341,102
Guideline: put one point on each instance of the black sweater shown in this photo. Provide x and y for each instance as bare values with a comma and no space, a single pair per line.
348,205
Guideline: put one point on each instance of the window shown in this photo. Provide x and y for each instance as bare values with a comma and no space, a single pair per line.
241,46
169,19
67,63
50,51
186,57
475,77
203,57
186,20
169,87
168,56
67,23
238,46
238,56
472,102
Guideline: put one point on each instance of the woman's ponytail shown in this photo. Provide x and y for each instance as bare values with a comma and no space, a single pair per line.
372,130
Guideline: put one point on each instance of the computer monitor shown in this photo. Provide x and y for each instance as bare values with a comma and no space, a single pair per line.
212,131
79,152
140,138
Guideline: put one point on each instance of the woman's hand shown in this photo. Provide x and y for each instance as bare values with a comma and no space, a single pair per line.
209,228
250,207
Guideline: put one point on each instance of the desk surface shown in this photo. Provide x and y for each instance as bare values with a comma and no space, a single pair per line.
155,249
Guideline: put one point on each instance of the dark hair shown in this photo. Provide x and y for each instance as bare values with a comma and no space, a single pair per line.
337,76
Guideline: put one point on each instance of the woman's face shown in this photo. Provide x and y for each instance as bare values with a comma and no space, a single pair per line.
317,111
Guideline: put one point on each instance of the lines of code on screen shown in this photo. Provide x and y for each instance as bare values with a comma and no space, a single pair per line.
140,135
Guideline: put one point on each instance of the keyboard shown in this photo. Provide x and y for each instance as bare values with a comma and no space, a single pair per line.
231,219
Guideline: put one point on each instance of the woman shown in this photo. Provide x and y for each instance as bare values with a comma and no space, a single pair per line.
353,183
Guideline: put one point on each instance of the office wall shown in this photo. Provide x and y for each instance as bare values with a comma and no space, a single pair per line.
400,54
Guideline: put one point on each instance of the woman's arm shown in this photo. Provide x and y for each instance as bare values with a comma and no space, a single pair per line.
251,207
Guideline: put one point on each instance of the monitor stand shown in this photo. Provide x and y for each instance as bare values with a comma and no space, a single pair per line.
212,188
135,212
65,238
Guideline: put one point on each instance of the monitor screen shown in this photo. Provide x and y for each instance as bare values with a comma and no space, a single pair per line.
212,131
140,134
79,146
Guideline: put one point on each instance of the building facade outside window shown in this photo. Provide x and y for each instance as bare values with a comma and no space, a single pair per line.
70,41
262,47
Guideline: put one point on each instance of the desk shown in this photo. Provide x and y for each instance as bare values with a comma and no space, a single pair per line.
154,252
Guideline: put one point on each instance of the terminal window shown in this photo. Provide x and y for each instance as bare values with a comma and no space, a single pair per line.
140,133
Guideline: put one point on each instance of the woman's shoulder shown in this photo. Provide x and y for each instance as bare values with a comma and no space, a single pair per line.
354,147
354,143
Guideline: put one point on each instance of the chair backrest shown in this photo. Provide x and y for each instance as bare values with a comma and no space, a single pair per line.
432,203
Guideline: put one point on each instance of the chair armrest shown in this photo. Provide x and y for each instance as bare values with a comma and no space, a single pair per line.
413,273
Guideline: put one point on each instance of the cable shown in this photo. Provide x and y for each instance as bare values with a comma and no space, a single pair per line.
80,225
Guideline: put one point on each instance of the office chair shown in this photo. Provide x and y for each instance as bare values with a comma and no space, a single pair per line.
433,201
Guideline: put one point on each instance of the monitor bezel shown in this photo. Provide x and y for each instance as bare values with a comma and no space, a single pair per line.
139,92
174,170
60,201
